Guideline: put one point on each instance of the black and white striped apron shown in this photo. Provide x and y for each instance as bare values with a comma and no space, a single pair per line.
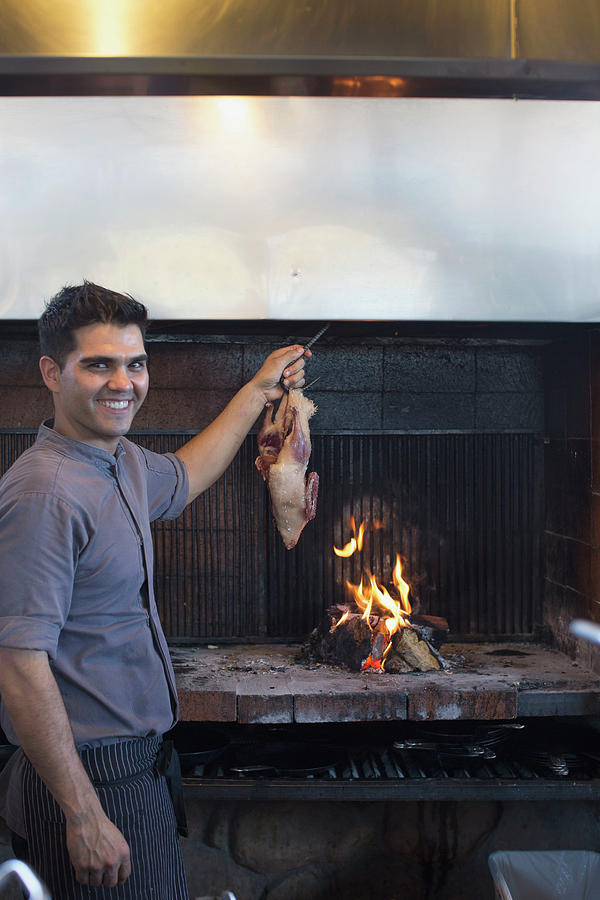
136,799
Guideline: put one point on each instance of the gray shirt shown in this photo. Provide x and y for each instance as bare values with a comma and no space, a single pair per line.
76,566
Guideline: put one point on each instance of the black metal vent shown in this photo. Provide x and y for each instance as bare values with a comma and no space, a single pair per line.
463,511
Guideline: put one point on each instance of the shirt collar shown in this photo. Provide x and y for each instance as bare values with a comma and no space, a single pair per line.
77,449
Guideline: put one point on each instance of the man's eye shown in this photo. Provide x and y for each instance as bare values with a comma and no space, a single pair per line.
138,365
98,365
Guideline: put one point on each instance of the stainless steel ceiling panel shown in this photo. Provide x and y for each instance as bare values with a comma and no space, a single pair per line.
255,28
558,30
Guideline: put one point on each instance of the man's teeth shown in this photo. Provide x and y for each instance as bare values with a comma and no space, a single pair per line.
115,404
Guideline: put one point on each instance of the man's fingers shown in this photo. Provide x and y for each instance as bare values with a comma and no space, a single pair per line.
107,864
124,871
111,877
95,879
295,353
291,371
82,876
294,369
282,370
92,877
108,878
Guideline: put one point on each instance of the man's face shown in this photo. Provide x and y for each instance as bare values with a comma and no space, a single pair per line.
102,385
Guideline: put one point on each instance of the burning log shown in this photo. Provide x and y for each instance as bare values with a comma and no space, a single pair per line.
341,637
410,653
380,630
346,638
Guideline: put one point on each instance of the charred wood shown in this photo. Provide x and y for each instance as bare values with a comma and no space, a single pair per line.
433,629
345,638
409,653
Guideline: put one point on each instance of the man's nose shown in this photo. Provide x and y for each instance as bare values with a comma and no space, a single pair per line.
120,380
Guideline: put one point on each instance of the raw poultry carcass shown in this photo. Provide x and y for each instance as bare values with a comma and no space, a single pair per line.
284,447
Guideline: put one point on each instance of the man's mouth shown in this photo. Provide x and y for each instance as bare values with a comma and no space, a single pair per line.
115,404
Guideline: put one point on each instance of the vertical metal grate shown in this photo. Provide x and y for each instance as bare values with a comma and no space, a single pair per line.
463,510
12,444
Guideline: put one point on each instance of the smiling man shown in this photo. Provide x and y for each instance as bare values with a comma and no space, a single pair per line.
101,384
86,680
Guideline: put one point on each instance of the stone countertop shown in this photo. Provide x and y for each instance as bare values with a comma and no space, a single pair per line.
266,684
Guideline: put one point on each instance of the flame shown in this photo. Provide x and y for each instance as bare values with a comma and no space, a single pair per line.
373,598
355,543
360,536
340,620
371,663
401,585
347,550
366,595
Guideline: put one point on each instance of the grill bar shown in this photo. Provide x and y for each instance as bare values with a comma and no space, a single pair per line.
383,774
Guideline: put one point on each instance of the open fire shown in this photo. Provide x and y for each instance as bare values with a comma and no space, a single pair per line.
377,629
369,595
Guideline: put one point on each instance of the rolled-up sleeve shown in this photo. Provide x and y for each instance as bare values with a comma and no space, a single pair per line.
41,537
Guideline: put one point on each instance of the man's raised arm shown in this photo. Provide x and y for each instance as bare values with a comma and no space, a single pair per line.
209,453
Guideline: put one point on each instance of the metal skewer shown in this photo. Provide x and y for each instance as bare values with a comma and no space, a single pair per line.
307,346
316,337
310,383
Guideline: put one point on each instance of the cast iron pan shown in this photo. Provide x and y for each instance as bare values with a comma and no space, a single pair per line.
198,744
458,742
485,734
288,758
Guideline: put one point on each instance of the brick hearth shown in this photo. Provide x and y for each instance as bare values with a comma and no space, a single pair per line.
264,684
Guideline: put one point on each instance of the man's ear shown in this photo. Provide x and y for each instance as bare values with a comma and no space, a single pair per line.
50,373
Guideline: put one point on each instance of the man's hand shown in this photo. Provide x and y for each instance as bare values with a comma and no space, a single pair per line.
98,851
285,366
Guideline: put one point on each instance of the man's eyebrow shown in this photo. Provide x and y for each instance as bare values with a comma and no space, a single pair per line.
85,360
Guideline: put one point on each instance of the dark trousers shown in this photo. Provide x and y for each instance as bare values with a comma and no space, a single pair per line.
136,799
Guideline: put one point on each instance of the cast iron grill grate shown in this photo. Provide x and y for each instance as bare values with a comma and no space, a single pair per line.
384,762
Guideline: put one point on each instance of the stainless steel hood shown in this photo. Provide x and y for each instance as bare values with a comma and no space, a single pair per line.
494,48
305,207
338,159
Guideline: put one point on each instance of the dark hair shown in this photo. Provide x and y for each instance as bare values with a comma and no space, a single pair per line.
84,304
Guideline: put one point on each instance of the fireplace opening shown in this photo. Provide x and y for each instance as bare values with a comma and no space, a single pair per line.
436,445
463,510
470,452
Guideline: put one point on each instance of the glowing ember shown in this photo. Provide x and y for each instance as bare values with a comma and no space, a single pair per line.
373,598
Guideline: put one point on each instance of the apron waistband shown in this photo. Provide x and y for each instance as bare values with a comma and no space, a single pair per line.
121,763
